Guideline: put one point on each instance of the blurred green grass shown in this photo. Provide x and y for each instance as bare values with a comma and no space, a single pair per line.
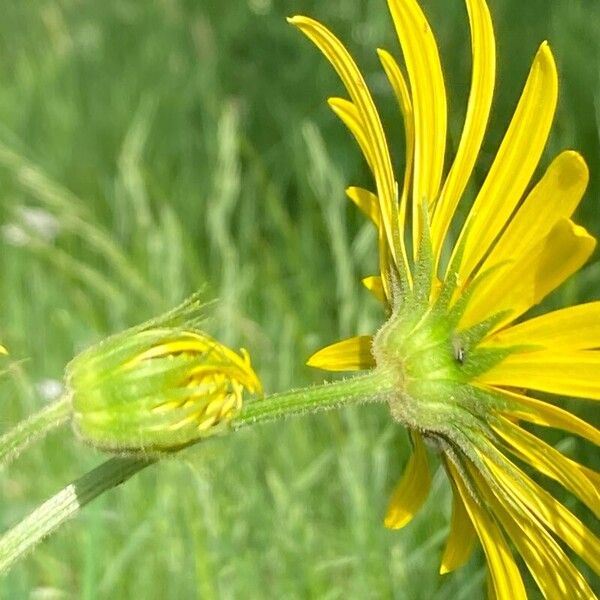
149,149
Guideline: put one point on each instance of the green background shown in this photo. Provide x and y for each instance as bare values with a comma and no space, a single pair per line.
150,148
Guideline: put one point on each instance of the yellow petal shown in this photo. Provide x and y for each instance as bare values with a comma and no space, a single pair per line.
572,328
352,354
411,491
461,539
369,205
375,286
543,506
429,101
555,197
3,350
378,156
548,415
517,286
554,573
570,374
491,592
400,87
483,52
504,574
366,201
514,164
349,115
550,462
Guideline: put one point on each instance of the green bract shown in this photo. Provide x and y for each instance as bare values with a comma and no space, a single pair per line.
432,359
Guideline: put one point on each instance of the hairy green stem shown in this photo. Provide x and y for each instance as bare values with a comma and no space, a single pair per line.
39,424
371,386
15,543
47,517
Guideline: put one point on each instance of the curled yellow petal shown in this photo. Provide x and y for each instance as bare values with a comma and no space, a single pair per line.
554,573
412,490
491,592
352,354
429,101
514,164
349,115
462,536
504,575
375,285
547,415
400,87
550,462
483,52
367,202
538,502
378,155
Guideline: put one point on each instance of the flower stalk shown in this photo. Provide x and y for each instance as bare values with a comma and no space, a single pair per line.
372,386
64,505
32,429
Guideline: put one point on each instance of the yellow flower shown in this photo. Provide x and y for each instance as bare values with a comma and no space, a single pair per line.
459,362
159,386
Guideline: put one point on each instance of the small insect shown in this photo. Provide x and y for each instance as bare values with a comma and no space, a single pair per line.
458,350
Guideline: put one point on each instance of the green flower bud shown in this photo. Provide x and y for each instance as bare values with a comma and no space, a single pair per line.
157,387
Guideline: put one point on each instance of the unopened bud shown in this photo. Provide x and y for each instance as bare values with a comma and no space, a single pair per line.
157,388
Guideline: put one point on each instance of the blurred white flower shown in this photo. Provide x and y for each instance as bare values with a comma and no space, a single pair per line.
49,389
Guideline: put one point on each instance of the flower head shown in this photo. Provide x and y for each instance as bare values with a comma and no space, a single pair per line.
159,386
459,362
